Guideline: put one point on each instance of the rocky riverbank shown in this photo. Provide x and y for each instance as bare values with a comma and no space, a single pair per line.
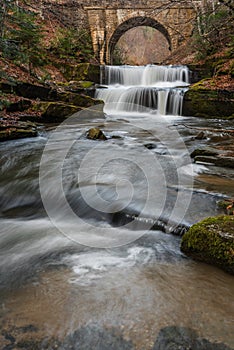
25,105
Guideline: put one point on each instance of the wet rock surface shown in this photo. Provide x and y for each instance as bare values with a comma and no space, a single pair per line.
212,241
206,103
96,134
94,337
180,338
48,103
14,129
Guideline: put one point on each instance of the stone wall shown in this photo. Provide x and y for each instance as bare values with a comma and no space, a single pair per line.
107,20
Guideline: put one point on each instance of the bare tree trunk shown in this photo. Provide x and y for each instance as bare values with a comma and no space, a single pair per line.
3,18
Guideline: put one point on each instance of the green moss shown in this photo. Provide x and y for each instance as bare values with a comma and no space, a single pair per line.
78,99
55,111
212,241
85,84
14,133
201,85
203,102
96,134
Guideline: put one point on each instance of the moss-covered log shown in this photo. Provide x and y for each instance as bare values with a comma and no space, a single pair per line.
212,241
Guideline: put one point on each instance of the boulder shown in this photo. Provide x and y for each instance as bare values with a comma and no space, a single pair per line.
203,102
94,337
212,241
203,152
19,106
226,162
183,338
13,133
53,112
28,90
96,134
80,100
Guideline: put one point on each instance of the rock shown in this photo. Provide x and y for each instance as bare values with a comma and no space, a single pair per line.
150,146
206,103
53,112
94,337
181,338
203,152
16,133
227,162
201,136
200,71
19,106
81,72
30,91
82,87
212,241
78,99
96,134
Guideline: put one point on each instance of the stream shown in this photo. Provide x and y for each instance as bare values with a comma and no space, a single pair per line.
89,235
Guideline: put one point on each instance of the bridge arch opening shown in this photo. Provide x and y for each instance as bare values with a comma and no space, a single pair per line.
134,23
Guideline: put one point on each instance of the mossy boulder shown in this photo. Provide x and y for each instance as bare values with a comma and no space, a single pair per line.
96,134
53,112
15,133
200,101
212,241
28,90
78,99
19,106
81,71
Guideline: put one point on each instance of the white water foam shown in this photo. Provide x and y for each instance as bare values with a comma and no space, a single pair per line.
130,89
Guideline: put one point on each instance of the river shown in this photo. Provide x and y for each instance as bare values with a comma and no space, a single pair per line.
86,241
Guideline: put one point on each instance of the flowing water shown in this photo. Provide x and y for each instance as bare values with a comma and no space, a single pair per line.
85,239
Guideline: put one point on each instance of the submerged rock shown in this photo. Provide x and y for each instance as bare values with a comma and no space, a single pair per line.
95,338
96,134
182,338
212,241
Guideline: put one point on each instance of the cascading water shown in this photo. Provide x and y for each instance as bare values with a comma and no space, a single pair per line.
160,89
58,289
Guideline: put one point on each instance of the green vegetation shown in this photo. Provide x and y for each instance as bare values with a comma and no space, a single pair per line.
20,36
212,241
72,44
22,40
4,102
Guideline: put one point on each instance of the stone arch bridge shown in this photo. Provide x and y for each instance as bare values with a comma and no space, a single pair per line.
109,20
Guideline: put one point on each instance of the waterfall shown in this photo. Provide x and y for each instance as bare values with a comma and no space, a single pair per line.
159,89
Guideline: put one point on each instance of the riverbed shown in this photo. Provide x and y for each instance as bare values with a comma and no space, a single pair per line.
86,227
